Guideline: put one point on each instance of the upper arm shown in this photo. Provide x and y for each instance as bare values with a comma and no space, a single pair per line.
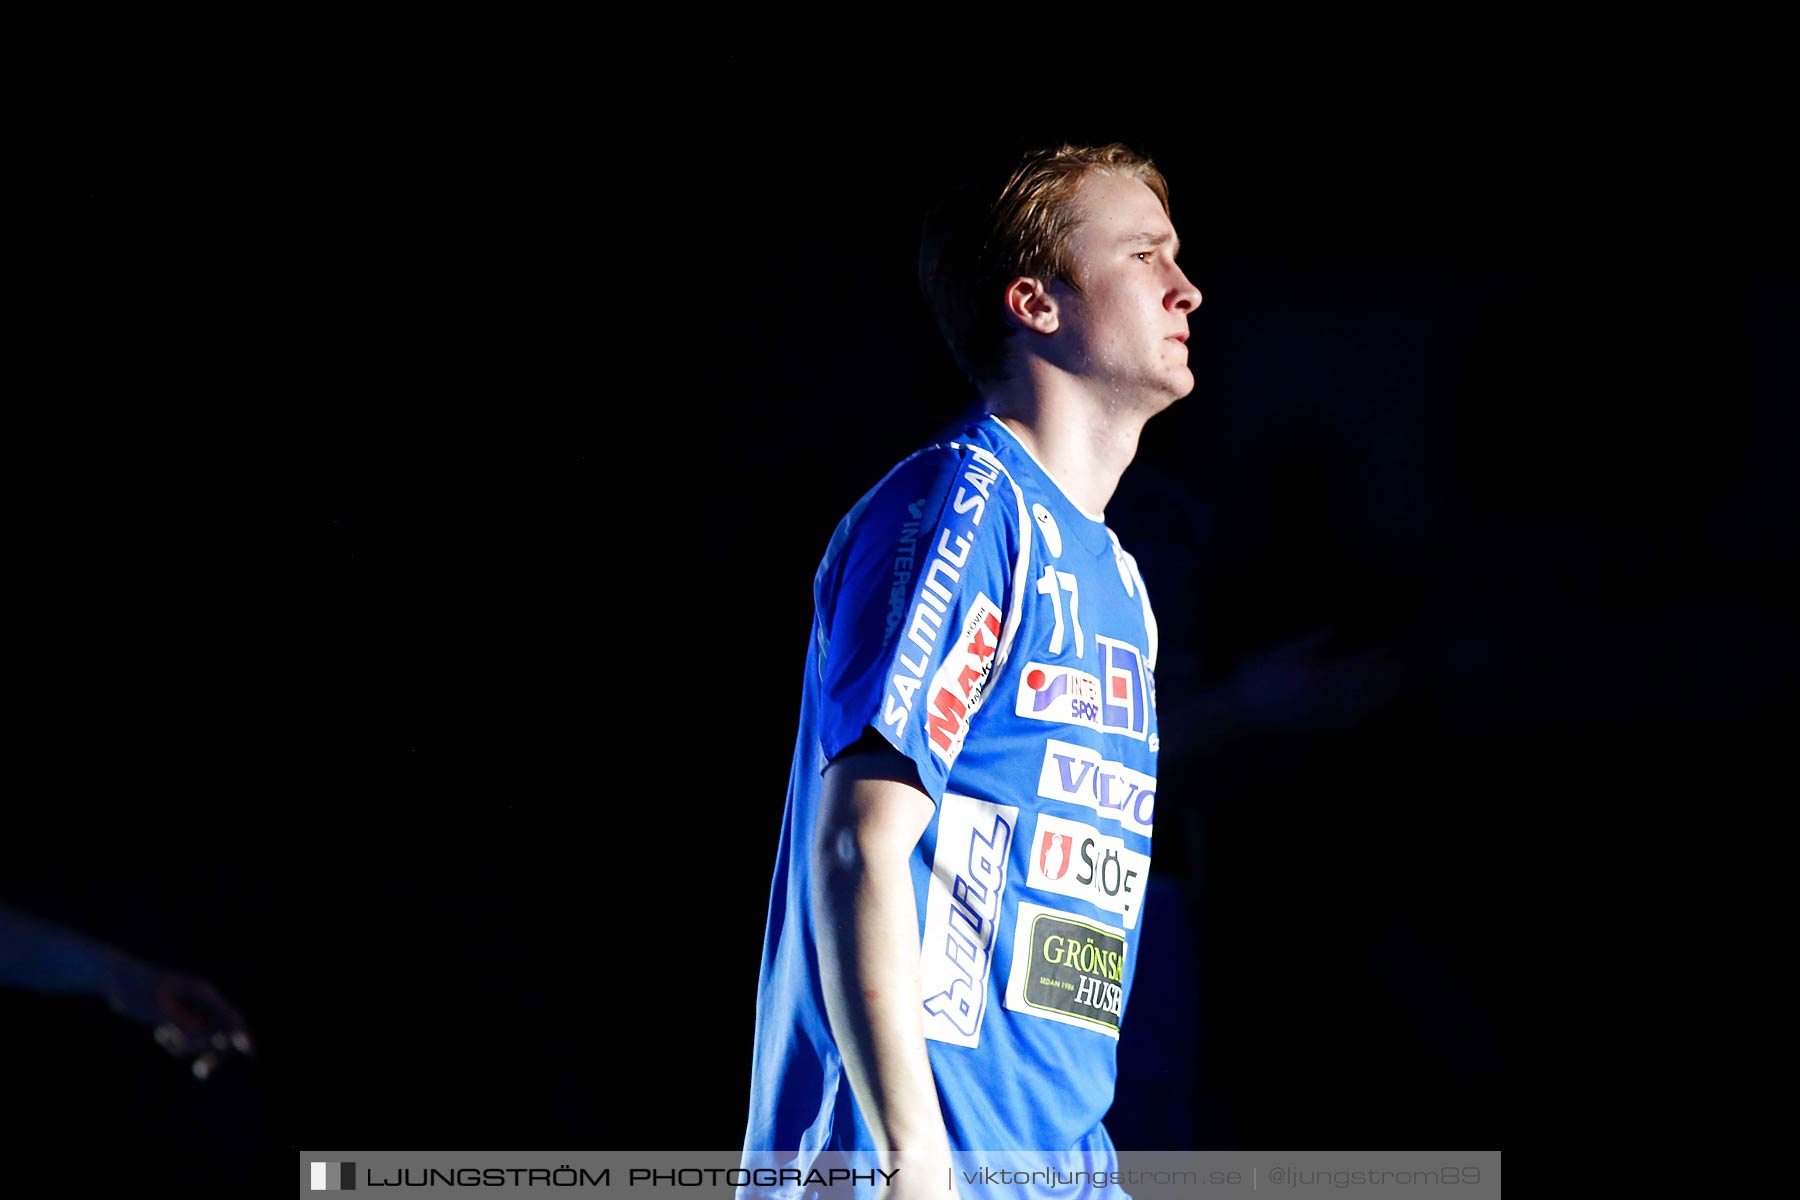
917,599
871,808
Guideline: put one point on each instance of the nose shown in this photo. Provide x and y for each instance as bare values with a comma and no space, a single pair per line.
1184,297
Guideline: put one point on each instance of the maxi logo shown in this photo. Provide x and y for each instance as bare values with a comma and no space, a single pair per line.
959,684
1067,969
936,598
1079,775
962,913
1104,872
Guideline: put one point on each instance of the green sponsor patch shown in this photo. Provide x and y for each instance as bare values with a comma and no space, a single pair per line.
1076,969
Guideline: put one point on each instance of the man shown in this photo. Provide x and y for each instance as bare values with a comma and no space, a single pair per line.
952,928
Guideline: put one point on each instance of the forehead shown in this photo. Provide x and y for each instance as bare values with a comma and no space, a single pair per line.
1115,208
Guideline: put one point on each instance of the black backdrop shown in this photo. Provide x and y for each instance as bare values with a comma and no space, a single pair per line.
419,541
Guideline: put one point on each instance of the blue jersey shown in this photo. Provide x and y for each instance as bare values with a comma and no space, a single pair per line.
1001,639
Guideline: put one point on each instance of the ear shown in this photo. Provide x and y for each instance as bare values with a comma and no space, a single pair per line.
1029,302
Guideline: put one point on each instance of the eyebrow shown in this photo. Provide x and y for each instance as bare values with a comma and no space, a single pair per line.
1149,239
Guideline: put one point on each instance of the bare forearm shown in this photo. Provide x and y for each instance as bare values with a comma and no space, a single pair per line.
869,964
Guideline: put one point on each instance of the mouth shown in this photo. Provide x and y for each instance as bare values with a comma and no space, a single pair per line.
1179,337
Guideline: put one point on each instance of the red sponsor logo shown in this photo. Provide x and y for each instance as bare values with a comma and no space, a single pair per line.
951,705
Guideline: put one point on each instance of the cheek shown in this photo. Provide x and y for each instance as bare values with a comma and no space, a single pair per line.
1114,319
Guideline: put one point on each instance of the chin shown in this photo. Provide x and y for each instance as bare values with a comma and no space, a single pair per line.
1154,402
1179,388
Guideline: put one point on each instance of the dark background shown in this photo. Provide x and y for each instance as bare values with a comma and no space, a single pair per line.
418,560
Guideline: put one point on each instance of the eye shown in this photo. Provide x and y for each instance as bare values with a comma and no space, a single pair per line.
1144,254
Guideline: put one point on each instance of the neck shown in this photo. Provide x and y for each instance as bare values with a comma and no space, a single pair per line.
1085,443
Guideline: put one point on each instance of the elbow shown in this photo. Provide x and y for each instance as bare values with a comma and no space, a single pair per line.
851,856
838,852
840,881
870,819
841,856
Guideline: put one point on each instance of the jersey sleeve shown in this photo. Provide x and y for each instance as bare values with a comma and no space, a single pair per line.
917,605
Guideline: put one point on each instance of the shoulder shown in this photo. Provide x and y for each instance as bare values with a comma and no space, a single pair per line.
956,488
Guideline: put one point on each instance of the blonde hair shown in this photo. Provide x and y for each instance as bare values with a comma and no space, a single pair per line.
994,227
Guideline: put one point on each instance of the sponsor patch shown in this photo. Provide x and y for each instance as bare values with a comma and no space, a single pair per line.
957,688
1125,703
962,912
1062,694
1112,789
1067,969
1115,701
1078,861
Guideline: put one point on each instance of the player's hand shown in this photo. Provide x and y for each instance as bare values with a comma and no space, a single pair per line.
192,1021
